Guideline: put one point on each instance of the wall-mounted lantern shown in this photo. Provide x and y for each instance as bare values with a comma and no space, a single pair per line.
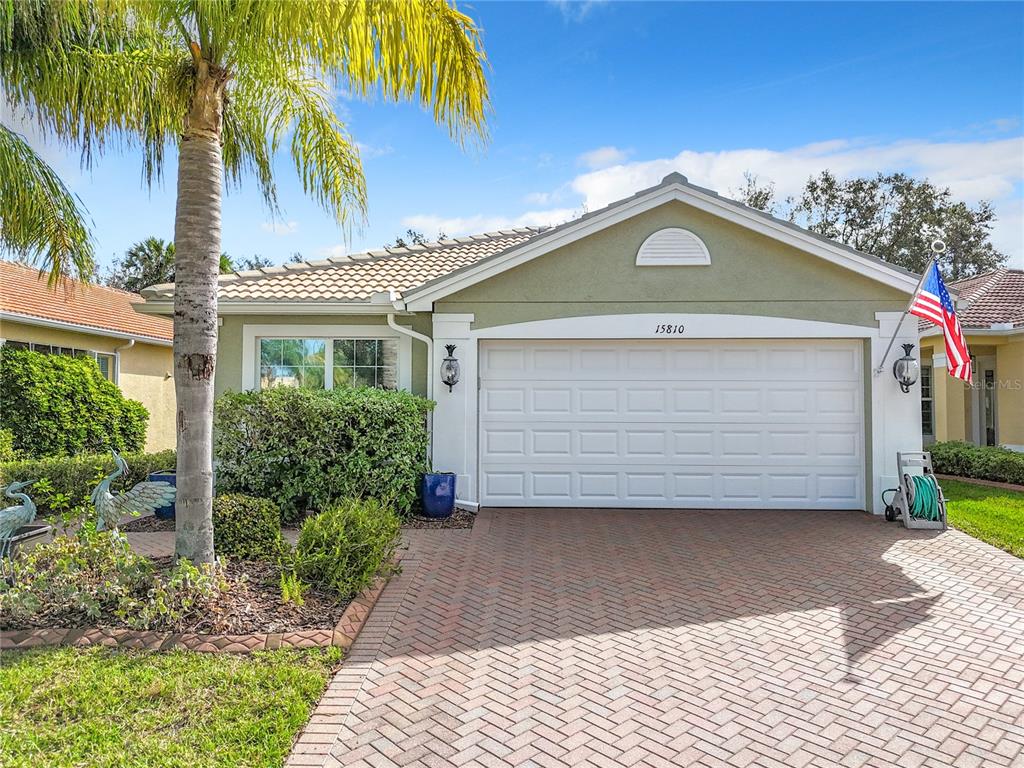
450,368
906,369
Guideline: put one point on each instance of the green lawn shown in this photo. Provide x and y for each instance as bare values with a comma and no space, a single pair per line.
990,514
101,707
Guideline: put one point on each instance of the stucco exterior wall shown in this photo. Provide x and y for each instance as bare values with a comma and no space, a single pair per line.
749,274
145,372
1010,397
228,376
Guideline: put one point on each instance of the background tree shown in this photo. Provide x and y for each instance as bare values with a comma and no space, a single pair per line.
151,262
413,237
886,215
231,84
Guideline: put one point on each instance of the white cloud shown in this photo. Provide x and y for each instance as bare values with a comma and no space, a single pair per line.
576,10
280,227
371,151
464,225
602,157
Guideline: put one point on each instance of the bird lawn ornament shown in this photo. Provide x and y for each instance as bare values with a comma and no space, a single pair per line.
17,516
144,497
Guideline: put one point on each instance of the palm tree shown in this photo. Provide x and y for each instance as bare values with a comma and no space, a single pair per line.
231,82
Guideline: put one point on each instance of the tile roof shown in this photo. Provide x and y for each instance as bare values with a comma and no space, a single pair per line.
94,308
357,277
989,299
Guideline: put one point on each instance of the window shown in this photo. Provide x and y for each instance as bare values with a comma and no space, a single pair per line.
349,363
103,360
927,402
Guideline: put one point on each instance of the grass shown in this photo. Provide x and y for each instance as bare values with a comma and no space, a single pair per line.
991,514
101,707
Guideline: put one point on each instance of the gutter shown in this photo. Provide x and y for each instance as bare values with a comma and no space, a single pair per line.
93,330
117,360
430,378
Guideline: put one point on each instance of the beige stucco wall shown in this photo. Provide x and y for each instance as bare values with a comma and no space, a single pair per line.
229,343
749,274
145,372
953,399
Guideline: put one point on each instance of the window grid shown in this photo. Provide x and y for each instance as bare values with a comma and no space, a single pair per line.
103,360
327,363
927,402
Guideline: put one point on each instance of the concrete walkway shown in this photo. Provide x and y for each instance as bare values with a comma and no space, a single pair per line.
615,638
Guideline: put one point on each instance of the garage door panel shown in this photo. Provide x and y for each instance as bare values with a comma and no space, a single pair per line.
672,423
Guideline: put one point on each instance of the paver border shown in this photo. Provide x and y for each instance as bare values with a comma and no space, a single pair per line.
343,635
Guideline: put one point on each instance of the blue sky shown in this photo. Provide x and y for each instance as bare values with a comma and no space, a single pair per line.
592,101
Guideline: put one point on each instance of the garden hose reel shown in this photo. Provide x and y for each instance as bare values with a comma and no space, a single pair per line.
918,501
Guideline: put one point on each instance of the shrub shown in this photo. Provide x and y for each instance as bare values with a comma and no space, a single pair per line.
58,405
309,449
84,579
7,452
246,527
343,548
984,462
65,484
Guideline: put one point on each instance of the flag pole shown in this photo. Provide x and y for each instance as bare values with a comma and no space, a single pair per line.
937,247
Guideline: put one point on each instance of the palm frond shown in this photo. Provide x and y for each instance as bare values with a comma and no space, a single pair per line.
40,219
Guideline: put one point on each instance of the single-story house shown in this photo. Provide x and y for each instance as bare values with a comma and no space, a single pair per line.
990,308
673,349
133,350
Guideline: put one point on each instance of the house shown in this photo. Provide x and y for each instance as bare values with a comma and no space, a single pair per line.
990,308
133,350
674,349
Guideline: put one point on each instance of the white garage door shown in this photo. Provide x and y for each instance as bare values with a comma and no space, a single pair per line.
739,424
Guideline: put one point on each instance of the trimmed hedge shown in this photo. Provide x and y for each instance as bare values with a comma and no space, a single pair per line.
58,405
310,449
71,480
983,462
343,548
246,527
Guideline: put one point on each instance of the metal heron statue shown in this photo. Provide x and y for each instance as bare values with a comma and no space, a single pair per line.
14,517
144,497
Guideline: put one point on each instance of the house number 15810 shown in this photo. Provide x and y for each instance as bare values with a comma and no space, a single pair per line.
663,329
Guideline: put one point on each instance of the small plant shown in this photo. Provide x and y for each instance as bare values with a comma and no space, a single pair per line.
293,589
343,548
183,596
246,527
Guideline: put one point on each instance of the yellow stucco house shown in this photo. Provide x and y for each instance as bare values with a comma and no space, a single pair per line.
991,412
132,350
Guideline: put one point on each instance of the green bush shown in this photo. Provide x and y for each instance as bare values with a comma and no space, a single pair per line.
246,527
95,578
984,462
308,449
343,548
58,405
65,484
7,452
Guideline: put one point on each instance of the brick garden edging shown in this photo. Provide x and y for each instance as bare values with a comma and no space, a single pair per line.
979,481
343,634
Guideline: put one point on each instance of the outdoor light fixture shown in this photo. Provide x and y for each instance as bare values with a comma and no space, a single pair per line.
905,369
450,368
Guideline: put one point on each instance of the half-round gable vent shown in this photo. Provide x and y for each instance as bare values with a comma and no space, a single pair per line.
672,245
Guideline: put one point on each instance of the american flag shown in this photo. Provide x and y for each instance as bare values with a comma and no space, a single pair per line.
932,302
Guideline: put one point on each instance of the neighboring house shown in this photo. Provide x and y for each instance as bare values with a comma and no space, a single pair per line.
990,308
674,349
132,350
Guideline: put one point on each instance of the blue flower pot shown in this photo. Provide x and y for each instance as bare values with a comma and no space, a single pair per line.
437,492
164,476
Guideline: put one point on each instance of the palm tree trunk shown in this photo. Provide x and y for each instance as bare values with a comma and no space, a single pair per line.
197,258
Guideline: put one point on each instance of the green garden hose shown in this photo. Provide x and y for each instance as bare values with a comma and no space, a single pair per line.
925,504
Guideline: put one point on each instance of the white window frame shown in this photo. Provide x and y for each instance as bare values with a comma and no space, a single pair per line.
93,353
251,335
930,398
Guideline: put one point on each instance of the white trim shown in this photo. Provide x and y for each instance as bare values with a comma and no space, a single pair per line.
89,329
937,332
250,333
423,297
672,247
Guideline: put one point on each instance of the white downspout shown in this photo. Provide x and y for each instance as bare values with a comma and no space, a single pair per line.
430,377
117,360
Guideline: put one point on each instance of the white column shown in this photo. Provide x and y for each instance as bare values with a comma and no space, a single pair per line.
895,415
455,415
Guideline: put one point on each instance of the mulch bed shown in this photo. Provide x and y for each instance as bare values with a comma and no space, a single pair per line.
251,604
461,518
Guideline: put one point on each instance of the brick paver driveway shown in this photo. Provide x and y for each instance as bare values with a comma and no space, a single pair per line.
557,637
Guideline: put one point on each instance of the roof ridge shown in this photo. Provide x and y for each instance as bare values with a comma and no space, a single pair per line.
992,280
41,273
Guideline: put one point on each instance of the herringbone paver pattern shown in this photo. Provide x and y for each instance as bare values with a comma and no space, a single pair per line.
614,638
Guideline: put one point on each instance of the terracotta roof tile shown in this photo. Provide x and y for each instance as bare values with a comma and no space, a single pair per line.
991,298
23,291
357,277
